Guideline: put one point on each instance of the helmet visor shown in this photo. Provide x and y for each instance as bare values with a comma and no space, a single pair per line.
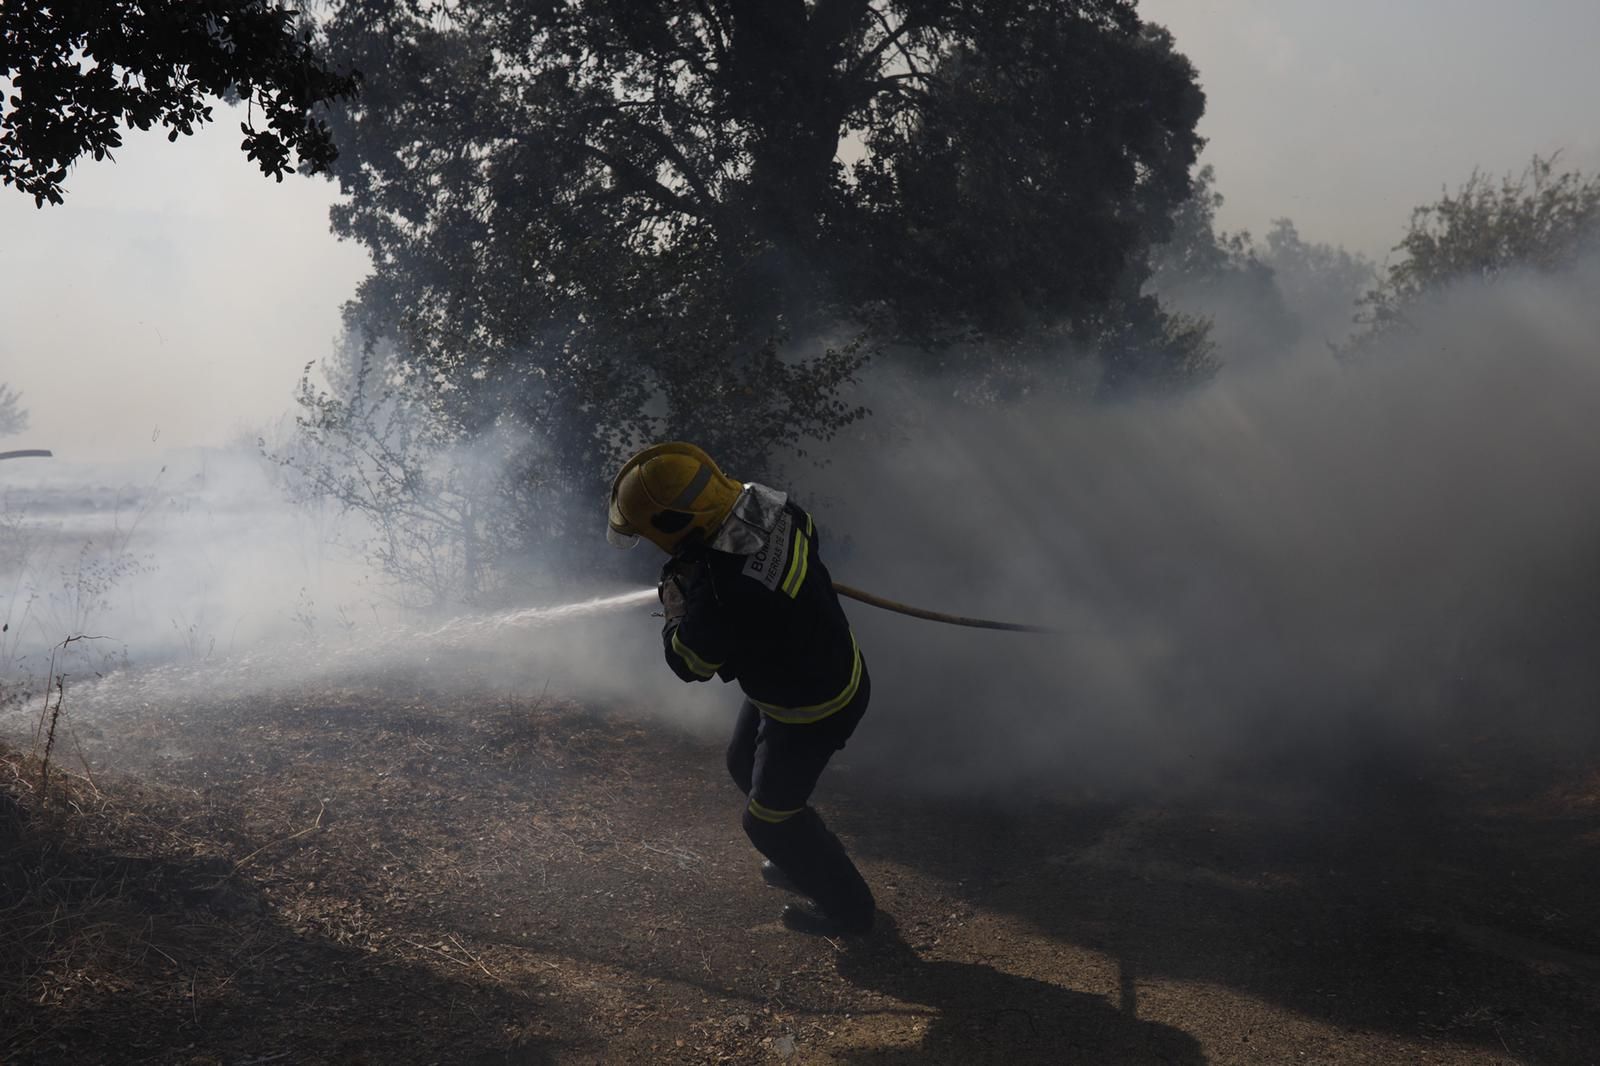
618,533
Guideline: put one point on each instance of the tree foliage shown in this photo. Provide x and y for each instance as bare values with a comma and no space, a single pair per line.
1263,297
13,416
1538,220
1195,248
440,517
627,219
1321,284
72,73
1221,277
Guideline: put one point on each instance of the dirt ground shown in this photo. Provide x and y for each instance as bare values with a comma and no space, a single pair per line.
376,874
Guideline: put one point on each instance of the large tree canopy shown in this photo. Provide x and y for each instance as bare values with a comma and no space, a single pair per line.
72,72
623,218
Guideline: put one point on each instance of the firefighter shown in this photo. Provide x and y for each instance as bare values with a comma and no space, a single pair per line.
747,598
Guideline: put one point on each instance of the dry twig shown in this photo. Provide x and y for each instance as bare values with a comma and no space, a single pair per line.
313,827
492,975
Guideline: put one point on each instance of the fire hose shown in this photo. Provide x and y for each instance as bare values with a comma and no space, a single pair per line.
936,616
887,604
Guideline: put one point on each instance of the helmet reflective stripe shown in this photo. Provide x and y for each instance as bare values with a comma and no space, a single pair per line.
686,498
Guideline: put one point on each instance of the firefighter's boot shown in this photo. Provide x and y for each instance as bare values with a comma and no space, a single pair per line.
808,918
816,862
774,876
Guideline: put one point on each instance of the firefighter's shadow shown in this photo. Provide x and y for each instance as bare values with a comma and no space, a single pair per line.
986,1015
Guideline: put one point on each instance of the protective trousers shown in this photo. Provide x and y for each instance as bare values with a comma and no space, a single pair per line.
777,764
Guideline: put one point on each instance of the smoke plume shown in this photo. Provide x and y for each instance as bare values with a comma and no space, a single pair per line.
1310,556
1319,556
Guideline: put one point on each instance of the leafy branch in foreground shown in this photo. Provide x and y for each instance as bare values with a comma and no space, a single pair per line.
74,73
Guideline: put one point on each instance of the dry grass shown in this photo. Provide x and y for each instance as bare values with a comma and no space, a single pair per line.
97,902
380,873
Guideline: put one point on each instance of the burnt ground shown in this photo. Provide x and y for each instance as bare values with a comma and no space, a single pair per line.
363,875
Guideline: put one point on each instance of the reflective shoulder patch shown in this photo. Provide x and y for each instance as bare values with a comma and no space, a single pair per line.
747,526
768,564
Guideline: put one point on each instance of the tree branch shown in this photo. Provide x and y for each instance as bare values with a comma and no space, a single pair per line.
891,38
639,181
719,32
675,155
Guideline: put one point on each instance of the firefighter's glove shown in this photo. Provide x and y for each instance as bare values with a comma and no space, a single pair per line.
683,581
674,604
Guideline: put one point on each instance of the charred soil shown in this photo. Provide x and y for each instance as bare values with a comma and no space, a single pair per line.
379,873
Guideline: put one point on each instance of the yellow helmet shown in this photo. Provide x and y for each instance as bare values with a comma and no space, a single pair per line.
666,493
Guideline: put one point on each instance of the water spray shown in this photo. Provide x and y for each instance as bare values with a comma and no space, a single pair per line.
236,672
533,616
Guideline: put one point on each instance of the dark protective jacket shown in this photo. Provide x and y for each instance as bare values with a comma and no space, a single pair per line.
761,610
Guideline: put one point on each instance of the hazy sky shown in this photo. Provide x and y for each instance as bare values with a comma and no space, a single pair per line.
176,295
1345,114
172,300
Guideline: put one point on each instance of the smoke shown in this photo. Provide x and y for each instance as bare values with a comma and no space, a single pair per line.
194,577
1308,557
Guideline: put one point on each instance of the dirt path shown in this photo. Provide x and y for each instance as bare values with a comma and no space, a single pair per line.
361,875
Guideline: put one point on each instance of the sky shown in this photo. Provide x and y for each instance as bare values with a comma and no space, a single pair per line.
1343,115
171,301
175,297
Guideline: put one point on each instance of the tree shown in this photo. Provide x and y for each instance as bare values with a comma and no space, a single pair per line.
448,517
440,515
1263,298
13,416
1222,276
74,72
1195,249
626,219
1321,283
1539,220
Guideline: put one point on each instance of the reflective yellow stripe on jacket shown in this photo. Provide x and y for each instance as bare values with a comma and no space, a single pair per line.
818,711
799,561
697,664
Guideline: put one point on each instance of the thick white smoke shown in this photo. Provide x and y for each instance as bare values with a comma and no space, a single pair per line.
1312,556
191,575
1307,556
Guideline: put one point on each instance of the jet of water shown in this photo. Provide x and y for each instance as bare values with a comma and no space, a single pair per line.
367,649
473,625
